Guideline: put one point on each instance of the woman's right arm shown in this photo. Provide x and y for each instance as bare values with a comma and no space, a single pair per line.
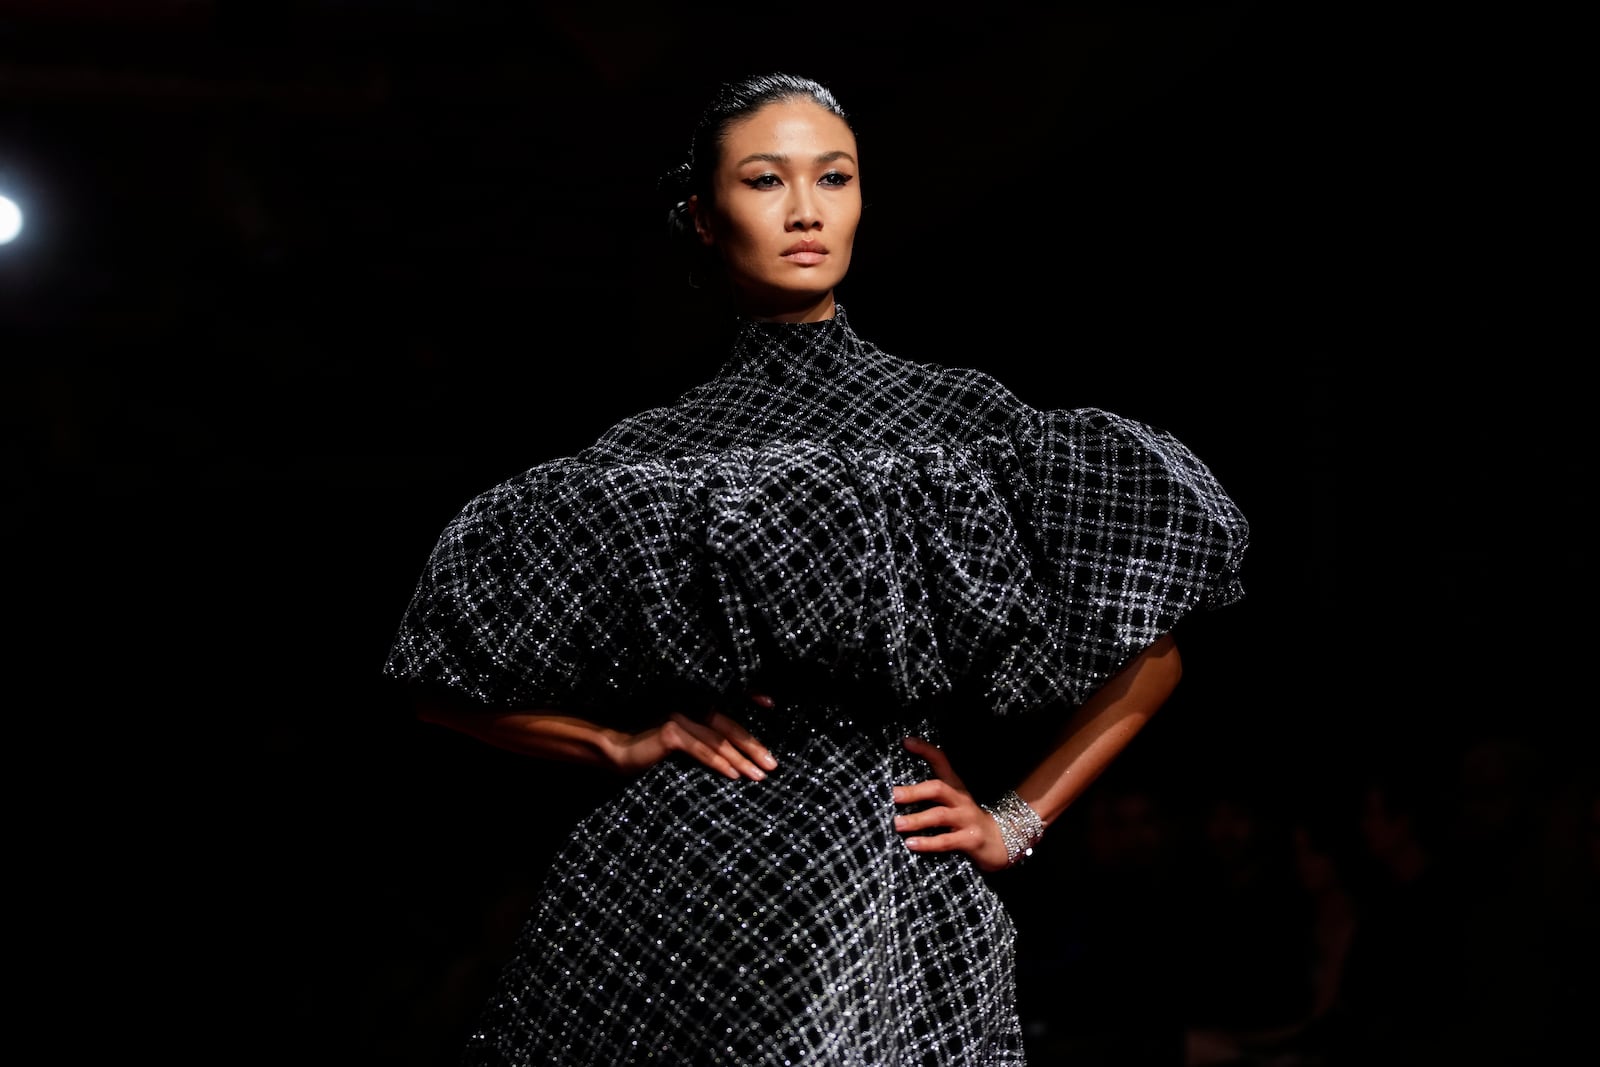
717,741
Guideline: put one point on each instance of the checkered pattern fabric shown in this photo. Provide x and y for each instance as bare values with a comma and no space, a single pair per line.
696,919
868,539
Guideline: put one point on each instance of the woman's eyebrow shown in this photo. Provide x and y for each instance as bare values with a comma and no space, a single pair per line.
780,157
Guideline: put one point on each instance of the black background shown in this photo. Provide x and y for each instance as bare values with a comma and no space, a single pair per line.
299,279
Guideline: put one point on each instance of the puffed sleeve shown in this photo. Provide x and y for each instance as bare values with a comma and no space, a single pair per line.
1128,531
1025,567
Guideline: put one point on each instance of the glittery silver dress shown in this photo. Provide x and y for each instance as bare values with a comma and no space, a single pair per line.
875,542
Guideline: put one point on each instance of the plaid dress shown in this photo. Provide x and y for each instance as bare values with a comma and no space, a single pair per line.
876,543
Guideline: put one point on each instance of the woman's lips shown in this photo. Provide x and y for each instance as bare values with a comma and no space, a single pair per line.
806,253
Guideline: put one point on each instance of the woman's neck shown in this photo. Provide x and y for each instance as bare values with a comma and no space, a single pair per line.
812,312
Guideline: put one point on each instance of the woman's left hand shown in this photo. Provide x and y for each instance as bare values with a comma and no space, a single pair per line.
968,828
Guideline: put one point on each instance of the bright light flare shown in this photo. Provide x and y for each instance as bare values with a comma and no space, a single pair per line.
10,219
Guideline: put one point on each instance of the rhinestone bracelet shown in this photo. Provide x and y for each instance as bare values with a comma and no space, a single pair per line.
1020,826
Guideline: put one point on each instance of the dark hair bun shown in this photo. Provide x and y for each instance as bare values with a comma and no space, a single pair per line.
680,221
675,182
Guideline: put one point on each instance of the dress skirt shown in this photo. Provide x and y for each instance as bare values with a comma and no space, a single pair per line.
699,919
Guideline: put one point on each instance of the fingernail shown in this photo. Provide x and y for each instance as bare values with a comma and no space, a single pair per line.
757,773
899,821
768,761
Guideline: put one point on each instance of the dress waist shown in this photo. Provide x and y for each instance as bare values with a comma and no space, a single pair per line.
814,704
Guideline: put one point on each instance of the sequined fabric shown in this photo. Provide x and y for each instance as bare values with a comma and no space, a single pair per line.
874,542
703,920
819,502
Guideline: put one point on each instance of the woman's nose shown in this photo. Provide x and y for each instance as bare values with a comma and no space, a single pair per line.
803,214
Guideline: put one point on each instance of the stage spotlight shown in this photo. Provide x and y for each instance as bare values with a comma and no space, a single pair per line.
10,219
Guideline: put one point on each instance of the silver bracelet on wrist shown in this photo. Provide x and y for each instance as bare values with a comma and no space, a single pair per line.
1020,826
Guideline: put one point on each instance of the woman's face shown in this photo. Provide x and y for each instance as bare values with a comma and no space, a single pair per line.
786,203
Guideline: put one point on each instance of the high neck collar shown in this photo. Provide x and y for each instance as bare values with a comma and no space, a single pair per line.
782,349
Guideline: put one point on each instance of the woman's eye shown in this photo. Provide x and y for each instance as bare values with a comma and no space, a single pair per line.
763,181
833,177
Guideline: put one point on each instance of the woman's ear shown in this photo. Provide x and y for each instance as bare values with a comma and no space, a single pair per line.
702,221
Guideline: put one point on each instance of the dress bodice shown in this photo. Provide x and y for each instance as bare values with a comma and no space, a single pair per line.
819,505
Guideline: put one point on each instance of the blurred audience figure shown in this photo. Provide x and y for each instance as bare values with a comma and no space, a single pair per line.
1099,980
1461,929
1246,916
1323,854
1402,993
1510,860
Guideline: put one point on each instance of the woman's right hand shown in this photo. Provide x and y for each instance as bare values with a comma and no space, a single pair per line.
716,740
719,742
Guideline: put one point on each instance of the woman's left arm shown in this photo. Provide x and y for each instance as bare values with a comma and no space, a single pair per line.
1094,735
